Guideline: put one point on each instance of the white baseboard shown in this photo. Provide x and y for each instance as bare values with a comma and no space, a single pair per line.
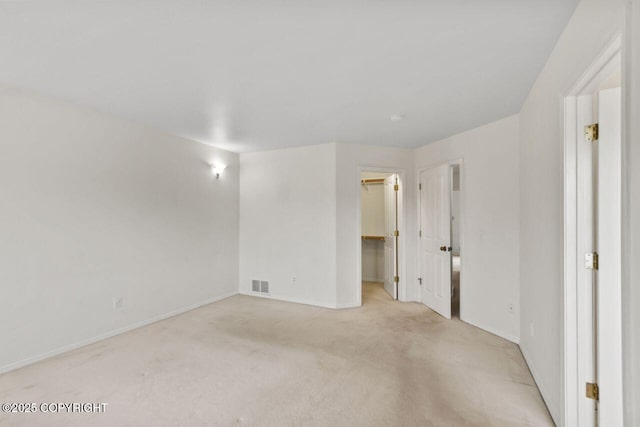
341,306
286,299
539,383
66,348
513,338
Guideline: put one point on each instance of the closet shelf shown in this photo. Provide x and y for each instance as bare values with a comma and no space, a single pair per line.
373,238
372,181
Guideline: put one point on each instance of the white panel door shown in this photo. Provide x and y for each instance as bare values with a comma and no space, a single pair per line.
609,324
435,240
390,226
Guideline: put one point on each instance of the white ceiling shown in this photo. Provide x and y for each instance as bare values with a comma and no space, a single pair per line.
250,75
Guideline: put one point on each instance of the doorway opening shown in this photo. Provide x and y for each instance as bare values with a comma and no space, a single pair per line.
380,207
440,214
456,259
593,211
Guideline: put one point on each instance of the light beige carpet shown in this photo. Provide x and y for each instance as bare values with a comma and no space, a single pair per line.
249,361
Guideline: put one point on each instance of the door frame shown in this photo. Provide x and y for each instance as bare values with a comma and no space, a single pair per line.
402,242
574,202
463,190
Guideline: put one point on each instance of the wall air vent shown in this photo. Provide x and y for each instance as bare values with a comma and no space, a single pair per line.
261,286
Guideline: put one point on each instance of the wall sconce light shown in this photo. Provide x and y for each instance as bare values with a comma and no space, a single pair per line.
217,169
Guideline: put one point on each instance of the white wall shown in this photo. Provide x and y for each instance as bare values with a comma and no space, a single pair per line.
93,207
373,261
489,185
287,223
299,217
592,27
631,222
350,158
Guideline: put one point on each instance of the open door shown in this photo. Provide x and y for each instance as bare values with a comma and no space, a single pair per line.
435,240
609,269
592,250
391,235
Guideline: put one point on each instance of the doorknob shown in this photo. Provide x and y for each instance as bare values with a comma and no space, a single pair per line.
449,249
443,248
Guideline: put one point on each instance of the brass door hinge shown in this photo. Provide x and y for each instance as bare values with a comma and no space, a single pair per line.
396,233
593,391
420,233
591,132
591,261
420,186
396,279
396,187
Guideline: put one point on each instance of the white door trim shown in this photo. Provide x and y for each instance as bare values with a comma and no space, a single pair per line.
630,214
609,326
402,245
600,69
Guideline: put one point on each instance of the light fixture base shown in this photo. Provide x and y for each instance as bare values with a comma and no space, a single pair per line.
217,169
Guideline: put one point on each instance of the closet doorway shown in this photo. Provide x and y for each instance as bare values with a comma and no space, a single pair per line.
380,205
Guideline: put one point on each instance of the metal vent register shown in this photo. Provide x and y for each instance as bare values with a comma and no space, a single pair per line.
261,286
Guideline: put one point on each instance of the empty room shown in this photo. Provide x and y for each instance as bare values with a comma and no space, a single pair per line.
320,213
